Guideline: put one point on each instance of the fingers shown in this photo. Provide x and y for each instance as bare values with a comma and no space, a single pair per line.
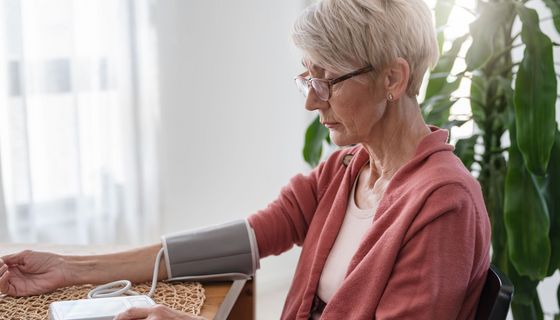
4,276
157,312
15,258
134,313
3,268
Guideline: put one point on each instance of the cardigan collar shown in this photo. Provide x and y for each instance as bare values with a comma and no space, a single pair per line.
434,142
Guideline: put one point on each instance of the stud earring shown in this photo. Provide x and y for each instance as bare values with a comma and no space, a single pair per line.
390,96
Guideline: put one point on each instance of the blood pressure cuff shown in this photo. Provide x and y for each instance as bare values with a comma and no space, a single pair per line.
228,250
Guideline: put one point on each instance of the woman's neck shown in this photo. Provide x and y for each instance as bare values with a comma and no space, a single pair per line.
394,140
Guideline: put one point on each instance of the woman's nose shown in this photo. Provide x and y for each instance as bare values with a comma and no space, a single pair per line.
312,102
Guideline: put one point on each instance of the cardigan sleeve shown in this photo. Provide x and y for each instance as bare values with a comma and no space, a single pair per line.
285,221
446,247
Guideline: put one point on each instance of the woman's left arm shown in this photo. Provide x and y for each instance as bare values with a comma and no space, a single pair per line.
441,268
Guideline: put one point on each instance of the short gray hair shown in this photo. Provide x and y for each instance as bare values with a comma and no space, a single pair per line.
340,35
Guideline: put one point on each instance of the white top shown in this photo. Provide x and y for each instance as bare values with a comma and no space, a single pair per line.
355,224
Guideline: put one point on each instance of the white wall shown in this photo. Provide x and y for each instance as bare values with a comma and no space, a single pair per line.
232,119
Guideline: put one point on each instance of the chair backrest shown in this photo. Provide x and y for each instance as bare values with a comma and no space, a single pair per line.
495,297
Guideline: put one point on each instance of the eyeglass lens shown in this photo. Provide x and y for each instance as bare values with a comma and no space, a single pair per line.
321,88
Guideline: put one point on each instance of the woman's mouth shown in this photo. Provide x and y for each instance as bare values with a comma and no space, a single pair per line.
330,125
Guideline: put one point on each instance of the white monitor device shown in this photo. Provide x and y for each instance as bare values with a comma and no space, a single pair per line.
96,309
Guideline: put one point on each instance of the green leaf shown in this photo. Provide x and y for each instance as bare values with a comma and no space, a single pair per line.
493,187
526,218
535,94
537,306
483,31
464,149
504,89
551,190
439,109
524,289
443,68
436,108
314,136
524,311
479,85
523,303
442,12
554,7
454,123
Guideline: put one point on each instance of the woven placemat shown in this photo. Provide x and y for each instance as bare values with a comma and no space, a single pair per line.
184,296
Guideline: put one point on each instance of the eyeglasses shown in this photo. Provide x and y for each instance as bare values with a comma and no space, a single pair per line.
322,87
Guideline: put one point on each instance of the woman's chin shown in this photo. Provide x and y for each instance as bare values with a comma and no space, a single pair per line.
340,139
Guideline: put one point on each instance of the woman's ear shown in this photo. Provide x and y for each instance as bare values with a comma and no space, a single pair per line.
396,79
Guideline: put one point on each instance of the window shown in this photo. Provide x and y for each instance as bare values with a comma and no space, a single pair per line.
74,156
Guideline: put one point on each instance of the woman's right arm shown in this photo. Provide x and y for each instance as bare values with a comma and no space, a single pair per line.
30,273
285,221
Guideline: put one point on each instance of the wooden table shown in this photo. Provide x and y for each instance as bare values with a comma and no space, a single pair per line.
215,292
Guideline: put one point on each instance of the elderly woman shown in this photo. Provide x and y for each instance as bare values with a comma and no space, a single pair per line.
392,228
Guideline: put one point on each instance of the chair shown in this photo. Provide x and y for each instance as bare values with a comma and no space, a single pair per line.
495,297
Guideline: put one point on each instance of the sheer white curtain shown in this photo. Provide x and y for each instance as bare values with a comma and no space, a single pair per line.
78,121
3,219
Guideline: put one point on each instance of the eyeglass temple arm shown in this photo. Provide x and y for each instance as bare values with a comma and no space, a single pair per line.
352,74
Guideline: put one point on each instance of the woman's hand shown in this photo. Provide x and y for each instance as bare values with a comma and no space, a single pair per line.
30,273
157,312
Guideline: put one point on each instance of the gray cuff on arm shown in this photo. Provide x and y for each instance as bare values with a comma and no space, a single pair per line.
254,246
221,251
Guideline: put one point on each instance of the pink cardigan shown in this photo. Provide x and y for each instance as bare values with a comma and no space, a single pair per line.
425,255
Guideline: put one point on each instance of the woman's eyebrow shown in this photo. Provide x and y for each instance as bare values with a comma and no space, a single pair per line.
308,65
311,67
